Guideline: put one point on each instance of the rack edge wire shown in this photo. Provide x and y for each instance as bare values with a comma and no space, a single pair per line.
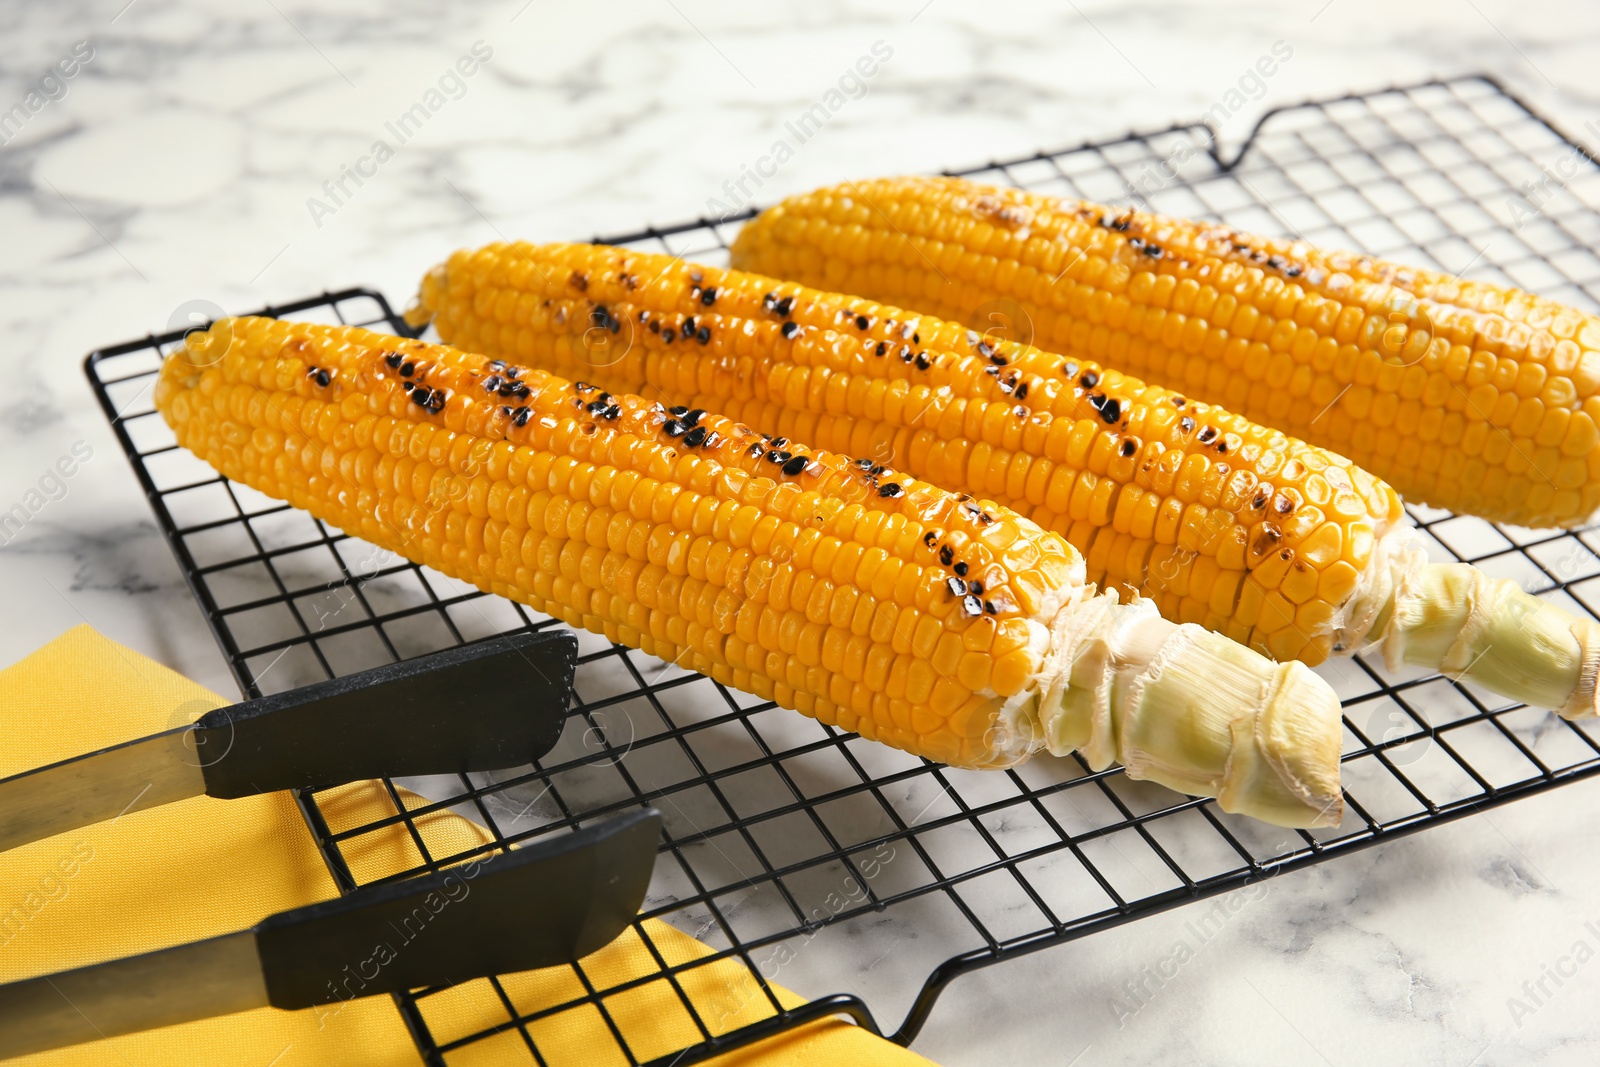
953,967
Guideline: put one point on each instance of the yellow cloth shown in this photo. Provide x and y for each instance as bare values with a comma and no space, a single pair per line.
203,867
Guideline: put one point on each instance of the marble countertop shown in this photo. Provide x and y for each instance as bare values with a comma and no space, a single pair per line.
186,159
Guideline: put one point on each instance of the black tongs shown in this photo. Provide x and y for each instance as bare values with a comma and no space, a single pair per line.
497,704
547,903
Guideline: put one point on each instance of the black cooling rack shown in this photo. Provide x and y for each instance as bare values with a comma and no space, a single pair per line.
788,842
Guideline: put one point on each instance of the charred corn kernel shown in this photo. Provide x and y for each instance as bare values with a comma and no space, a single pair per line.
1218,520
1326,346
992,645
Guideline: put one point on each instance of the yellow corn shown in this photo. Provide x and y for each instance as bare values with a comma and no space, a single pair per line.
931,621
1465,395
1279,544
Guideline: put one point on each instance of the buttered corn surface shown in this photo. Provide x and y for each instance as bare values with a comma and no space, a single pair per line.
1464,395
852,591
1221,522
1291,549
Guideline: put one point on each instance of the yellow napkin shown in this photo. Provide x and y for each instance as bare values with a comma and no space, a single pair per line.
203,867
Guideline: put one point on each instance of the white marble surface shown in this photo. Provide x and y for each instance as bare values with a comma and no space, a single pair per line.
178,165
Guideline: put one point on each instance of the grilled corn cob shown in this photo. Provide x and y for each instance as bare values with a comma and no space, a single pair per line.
931,621
1467,396
1279,544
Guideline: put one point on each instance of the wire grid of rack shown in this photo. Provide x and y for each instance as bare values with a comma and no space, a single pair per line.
785,835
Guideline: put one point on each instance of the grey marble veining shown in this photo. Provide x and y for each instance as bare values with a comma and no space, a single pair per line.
185,160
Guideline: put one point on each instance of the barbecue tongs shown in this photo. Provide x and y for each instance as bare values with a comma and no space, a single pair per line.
483,707
547,903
